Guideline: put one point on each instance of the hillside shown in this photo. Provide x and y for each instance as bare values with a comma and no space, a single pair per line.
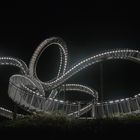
52,125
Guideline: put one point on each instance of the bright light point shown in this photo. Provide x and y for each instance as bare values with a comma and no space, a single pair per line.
136,96
116,100
110,102
61,101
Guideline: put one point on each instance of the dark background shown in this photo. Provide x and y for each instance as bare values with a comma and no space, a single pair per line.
87,28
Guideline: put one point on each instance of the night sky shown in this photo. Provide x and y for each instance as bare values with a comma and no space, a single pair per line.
87,29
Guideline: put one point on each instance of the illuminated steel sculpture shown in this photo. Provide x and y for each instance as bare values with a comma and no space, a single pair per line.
33,95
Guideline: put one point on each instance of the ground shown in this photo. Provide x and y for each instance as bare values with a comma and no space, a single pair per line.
53,125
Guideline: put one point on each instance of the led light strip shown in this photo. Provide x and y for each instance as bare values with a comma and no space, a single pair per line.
27,90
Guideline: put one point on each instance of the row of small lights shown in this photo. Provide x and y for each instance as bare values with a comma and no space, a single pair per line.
13,59
1,108
43,44
96,56
120,100
28,89
83,62
91,58
90,91
65,53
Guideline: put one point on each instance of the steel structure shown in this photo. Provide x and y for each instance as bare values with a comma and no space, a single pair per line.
34,95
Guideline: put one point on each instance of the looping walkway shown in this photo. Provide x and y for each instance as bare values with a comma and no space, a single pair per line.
30,93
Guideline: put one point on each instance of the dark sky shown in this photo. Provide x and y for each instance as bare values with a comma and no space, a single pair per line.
87,28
